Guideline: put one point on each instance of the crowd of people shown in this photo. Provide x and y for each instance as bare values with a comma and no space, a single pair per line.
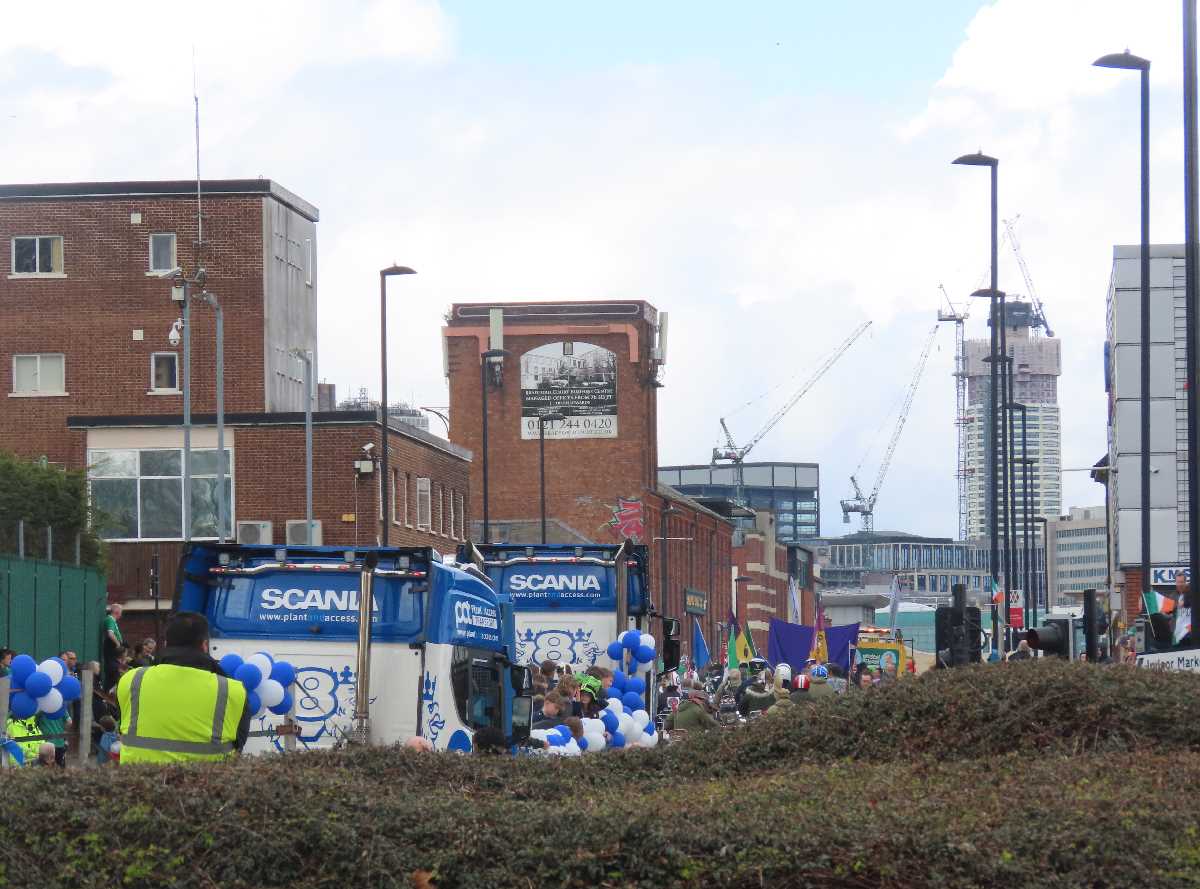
45,739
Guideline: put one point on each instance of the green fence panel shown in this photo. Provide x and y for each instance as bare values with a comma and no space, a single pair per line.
46,607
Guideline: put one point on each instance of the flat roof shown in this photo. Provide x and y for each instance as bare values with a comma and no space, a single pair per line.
288,418
171,188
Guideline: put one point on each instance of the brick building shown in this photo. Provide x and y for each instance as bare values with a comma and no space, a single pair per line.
763,564
597,365
93,380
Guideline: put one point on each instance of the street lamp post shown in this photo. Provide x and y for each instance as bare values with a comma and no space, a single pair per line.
1128,62
1044,586
979,159
996,424
222,503
485,363
543,419
1192,260
1027,466
386,491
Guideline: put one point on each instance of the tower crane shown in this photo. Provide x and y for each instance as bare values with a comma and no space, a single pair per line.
864,504
959,318
1039,311
732,453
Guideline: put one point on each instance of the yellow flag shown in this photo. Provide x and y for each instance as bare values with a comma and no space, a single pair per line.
745,647
820,651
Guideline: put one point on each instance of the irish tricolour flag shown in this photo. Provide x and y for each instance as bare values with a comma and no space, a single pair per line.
997,593
1157,603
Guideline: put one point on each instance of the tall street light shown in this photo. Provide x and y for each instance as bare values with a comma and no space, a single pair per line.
1191,237
979,159
1027,467
486,361
1043,592
996,415
386,491
1128,62
543,419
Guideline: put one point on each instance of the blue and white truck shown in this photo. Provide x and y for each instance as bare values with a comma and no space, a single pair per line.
571,601
388,643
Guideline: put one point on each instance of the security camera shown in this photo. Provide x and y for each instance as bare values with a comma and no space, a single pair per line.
173,337
368,447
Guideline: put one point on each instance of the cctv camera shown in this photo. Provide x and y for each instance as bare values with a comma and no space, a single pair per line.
173,337
368,447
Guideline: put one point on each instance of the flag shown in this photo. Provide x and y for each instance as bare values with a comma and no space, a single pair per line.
745,647
895,593
1157,603
731,654
700,653
997,593
792,588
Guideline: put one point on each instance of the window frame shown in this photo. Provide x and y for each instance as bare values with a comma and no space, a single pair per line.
427,485
37,239
152,270
39,393
155,390
462,526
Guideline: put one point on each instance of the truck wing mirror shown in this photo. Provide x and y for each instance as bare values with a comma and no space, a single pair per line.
670,649
520,678
522,718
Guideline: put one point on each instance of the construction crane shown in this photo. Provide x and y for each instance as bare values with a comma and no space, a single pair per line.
736,455
960,416
1039,311
864,504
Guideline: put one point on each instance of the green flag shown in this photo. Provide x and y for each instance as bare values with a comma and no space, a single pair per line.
731,655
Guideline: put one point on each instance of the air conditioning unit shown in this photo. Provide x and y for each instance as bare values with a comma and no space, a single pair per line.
254,532
297,533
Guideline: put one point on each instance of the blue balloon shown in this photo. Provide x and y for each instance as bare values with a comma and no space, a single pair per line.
284,706
20,668
615,650
650,727
631,639
249,675
70,688
644,654
610,721
253,702
618,739
619,680
582,742
38,684
61,714
632,699
21,705
635,684
554,739
283,673
230,663
564,731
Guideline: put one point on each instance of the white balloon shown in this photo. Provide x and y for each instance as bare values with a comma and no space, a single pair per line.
641,718
595,742
51,701
615,706
538,733
572,748
626,726
591,726
263,661
648,640
53,669
645,740
270,693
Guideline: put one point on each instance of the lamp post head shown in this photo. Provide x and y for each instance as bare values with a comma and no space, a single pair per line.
550,418
978,159
1125,61
988,293
396,270
741,578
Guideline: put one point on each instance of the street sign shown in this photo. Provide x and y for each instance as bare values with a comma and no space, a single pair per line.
1016,618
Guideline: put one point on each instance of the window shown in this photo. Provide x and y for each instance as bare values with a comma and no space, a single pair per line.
39,375
453,526
162,252
441,504
475,680
308,261
41,255
397,478
164,372
138,494
424,504
458,511
407,514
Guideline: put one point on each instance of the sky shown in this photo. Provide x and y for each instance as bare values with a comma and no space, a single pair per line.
772,176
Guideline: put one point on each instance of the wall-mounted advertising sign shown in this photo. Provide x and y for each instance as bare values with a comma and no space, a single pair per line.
575,380
695,601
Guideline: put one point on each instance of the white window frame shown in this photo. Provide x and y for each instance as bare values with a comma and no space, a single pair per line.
462,518
12,257
150,250
424,498
308,261
38,393
407,515
153,390
441,499
397,480
453,526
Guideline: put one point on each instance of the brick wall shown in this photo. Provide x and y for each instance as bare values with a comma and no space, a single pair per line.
90,315
764,560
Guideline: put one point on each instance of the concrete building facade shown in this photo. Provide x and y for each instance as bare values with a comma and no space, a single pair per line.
789,491
1036,365
1077,557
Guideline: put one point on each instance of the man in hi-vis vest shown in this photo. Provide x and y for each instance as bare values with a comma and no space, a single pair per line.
184,708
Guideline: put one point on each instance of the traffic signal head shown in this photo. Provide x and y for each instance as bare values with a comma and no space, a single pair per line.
1052,638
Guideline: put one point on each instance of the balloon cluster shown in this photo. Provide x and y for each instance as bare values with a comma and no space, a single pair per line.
41,688
267,681
625,721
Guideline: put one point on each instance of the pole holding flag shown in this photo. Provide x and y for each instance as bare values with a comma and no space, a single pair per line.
700,652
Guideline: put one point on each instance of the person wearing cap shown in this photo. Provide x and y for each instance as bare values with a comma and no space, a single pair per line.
591,696
757,696
820,687
694,712
800,686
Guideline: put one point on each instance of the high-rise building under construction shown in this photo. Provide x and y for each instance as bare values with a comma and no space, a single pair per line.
1036,366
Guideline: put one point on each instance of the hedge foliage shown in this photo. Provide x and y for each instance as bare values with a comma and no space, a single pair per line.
45,496
1124,810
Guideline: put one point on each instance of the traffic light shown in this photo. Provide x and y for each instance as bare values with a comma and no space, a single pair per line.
1053,637
957,636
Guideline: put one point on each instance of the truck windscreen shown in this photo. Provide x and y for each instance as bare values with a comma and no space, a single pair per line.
476,681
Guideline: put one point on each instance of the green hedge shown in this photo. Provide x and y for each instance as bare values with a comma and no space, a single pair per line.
785,816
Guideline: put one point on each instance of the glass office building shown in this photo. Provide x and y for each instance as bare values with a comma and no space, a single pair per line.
787,490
